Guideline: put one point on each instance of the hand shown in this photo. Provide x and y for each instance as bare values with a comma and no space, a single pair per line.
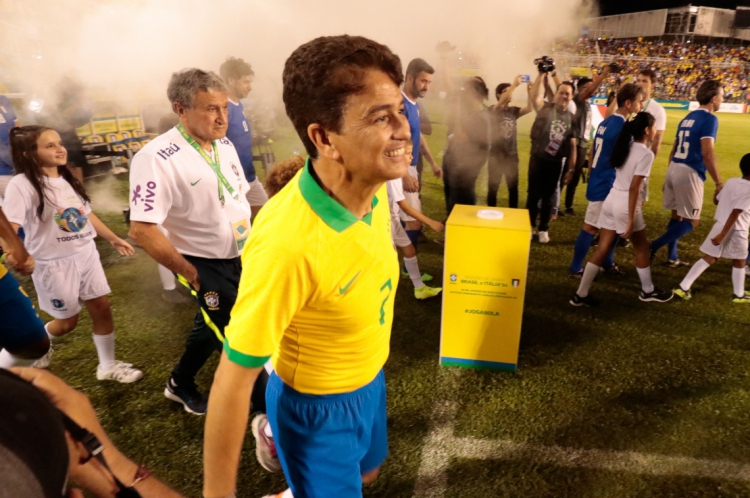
192,277
437,171
24,268
628,230
718,239
517,81
436,225
719,188
568,177
123,247
410,183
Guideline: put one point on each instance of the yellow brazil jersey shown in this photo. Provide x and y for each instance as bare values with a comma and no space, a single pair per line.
3,271
317,290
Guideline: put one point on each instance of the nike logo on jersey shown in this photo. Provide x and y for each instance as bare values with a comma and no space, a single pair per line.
342,290
193,184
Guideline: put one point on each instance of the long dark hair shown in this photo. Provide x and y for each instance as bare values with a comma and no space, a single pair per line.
23,146
632,130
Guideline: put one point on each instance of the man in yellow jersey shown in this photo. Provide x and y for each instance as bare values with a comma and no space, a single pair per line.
320,308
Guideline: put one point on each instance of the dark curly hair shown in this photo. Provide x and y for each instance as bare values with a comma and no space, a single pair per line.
281,173
320,75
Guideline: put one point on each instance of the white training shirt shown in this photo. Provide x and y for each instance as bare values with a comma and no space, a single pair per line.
638,163
172,184
657,111
395,189
734,195
64,229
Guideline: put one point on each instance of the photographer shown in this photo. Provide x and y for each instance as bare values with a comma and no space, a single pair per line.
582,129
552,140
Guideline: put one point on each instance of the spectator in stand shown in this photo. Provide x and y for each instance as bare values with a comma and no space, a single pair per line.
8,120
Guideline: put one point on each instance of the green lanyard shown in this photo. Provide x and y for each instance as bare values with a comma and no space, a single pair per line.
214,164
647,104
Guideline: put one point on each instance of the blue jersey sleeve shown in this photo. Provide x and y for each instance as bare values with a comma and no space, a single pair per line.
710,127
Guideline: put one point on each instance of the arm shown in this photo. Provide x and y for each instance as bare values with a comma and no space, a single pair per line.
594,86
656,144
425,150
529,103
406,208
548,93
156,245
122,247
17,256
534,94
226,426
556,79
634,195
91,474
709,158
570,164
727,227
507,96
425,126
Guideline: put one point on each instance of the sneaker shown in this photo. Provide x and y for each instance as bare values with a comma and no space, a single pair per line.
43,362
614,270
584,301
425,276
676,263
561,214
651,254
575,274
439,240
624,242
176,297
687,295
193,401
595,241
570,212
427,292
743,299
544,237
657,295
265,448
119,371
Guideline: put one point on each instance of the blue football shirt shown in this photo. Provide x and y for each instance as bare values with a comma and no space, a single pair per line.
601,172
411,111
7,121
695,126
238,132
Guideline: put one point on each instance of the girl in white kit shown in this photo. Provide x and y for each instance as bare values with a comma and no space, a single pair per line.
621,212
728,237
53,208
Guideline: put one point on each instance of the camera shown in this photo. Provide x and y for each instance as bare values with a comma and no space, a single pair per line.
545,64
615,68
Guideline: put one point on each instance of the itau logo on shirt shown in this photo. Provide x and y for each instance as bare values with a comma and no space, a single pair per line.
71,220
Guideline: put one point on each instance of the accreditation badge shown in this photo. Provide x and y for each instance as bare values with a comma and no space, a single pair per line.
239,220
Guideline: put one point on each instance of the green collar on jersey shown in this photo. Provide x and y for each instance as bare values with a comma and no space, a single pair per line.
331,212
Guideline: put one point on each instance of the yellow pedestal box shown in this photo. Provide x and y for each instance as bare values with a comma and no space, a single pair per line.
486,262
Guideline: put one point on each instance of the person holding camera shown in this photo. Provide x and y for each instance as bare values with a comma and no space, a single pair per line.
552,140
582,129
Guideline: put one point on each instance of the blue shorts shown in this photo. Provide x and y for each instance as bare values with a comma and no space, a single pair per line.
327,442
21,325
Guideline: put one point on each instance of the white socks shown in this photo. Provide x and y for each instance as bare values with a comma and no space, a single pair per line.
7,360
105,348
167,279
738,281
51,337
287,494
699,267
589,274
412,266
645,275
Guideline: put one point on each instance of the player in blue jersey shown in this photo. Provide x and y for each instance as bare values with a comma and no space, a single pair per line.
602,176
692,155
238,77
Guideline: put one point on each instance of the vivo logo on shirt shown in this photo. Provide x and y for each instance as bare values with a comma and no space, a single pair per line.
165,153
148,201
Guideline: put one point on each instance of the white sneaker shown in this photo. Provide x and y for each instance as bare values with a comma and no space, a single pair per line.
119,371
43,362
543,237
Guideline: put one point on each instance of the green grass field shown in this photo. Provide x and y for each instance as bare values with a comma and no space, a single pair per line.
661,380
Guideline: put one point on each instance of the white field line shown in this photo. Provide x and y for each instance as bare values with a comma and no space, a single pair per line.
441,446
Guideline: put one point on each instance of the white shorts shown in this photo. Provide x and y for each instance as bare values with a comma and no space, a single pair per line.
592,213
412,198
733,247
62,285
614,215
256,196
398,234
683,191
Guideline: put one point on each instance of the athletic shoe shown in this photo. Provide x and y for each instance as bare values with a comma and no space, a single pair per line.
584,301
425,292
595,241
425,277
615,270
570,212
439,240
561,214
119,371
176,297
43,362
743,299
544,237
687,295
676,263
265,448
575,274
657,295
193,401
624,242
651,254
